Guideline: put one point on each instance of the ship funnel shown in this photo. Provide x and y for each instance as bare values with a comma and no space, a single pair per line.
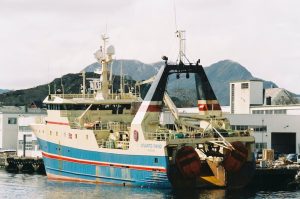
207,101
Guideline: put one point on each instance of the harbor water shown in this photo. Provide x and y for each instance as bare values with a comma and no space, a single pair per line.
38,186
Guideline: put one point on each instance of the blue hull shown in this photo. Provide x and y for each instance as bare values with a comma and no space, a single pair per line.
68,163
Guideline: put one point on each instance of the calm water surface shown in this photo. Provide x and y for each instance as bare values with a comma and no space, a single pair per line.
38,186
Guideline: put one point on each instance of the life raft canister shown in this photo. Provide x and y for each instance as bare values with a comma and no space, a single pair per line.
188,162
235,159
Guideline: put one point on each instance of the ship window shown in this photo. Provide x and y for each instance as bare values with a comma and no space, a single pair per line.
155,160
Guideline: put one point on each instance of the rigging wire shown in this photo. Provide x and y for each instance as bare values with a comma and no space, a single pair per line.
175,17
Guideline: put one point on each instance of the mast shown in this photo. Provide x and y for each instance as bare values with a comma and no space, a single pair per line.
104,57
83,86
122,90
104,74
181,36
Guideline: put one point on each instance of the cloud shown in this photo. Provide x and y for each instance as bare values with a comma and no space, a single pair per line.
41,40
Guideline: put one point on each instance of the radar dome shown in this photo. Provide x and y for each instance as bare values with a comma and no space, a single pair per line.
98,54
110,50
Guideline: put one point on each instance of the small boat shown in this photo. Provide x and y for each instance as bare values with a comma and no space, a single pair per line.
117,138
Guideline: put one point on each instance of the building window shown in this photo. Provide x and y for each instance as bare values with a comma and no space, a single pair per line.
260,146
260,128
246,127
239,127
155,160
232,98
28,145
12,120
257,111
25,129
269,111
20,144
244,85
280,111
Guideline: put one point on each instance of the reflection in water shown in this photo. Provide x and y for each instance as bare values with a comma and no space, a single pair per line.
37,186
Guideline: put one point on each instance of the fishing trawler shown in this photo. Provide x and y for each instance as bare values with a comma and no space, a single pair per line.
117,138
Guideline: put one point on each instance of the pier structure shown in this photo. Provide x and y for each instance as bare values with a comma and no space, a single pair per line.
25,165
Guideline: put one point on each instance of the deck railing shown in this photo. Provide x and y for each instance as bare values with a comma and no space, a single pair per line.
90,96
169,135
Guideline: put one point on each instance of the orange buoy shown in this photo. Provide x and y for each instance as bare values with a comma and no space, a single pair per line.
188,162
235,159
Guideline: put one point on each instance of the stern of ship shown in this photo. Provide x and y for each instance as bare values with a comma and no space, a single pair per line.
200,163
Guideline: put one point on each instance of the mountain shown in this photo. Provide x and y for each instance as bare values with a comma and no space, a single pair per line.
70,83
223,72
4,91
27,96
135,69
219,74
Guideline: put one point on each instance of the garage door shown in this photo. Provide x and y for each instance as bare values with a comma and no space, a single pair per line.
283,142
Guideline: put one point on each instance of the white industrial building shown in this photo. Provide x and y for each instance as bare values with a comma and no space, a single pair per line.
275,122
272,115
9,124
25,133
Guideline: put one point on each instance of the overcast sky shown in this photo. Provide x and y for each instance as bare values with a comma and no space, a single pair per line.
44,39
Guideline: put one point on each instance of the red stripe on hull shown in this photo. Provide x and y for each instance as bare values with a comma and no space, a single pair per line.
101,163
